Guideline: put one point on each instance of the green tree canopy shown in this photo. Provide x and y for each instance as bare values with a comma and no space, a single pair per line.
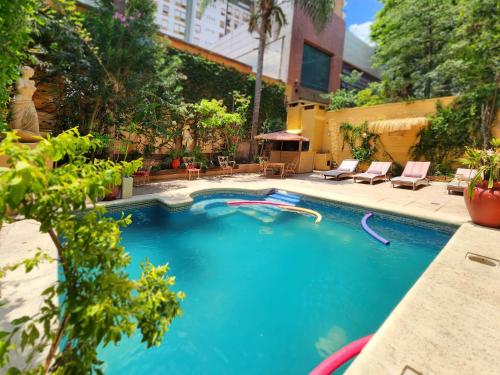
411,39
112,67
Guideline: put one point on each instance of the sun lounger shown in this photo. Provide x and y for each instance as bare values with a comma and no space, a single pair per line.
346,169
414,174
461,180
377,171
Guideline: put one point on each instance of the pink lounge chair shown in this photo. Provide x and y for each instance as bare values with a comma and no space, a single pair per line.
414,174
346,169
461,180
377,171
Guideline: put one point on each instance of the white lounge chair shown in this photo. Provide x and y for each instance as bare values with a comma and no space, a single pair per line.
346,169
461,180
414,174
377,171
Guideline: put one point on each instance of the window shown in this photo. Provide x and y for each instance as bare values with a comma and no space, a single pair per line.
181,3
363,83
180,15
315,69
197,29
165,10
179,29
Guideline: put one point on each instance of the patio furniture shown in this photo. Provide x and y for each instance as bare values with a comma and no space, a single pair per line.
291,167
346,169
377,171
226,166
461,180
277,168
414,174
192,168
262,164
141,177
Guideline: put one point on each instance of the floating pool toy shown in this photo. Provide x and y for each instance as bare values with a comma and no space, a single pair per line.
341,356
370,231
305,211
283,206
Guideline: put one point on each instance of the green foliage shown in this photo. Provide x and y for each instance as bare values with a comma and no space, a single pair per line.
344,98
210,120
348,98
98,302
362,143
449,131
17,21
486,162
208,79
473,65
411,39
112,68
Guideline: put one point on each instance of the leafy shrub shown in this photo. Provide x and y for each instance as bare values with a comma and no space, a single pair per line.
98,302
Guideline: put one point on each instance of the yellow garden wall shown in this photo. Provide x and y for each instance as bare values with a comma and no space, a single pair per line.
323,127
397,144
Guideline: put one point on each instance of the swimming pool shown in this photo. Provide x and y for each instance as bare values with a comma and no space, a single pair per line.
269,291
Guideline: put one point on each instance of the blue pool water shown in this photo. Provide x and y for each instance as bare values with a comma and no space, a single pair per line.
268,291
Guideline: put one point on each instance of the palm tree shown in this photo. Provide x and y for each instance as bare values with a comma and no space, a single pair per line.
268,17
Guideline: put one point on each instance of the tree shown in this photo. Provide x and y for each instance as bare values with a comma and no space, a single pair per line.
98,302
268,18
473,65
17,20
112,68
411,39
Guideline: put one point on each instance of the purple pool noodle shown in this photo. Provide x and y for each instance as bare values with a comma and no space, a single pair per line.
370,231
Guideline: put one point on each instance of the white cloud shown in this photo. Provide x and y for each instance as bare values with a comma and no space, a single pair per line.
362,31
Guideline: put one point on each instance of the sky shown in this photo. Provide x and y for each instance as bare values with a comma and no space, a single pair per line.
359,15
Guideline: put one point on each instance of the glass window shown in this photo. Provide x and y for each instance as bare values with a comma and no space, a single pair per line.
315,69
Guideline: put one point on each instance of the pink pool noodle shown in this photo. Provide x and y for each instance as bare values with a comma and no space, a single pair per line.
341,356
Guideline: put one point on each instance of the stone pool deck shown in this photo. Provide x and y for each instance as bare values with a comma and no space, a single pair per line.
448,323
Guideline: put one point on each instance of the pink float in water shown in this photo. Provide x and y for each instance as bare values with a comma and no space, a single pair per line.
341,356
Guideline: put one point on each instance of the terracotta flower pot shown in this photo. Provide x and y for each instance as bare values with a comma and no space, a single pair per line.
176,163
113,194
484,207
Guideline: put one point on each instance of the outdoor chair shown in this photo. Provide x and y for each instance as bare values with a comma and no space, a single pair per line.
226,166
262,164
414,174
192,168
377,171
346,169
291,167
141,177
461,180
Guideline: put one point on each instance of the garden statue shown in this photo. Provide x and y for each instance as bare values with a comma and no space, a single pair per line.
24,116
187,139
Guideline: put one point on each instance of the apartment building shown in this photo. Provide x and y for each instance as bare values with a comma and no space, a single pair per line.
183,19
310,63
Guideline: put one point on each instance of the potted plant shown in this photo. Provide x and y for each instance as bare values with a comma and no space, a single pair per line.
128,178
482,196
175,156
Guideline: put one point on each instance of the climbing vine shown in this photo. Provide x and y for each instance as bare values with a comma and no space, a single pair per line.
450,129
208,79
363,143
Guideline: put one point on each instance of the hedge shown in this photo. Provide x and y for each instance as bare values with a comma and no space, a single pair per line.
208,79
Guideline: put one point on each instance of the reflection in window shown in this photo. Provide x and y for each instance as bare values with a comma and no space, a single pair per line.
315,69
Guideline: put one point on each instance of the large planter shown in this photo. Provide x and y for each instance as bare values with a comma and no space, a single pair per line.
484,207
127,187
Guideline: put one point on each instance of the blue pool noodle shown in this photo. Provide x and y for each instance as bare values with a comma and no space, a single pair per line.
370,231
